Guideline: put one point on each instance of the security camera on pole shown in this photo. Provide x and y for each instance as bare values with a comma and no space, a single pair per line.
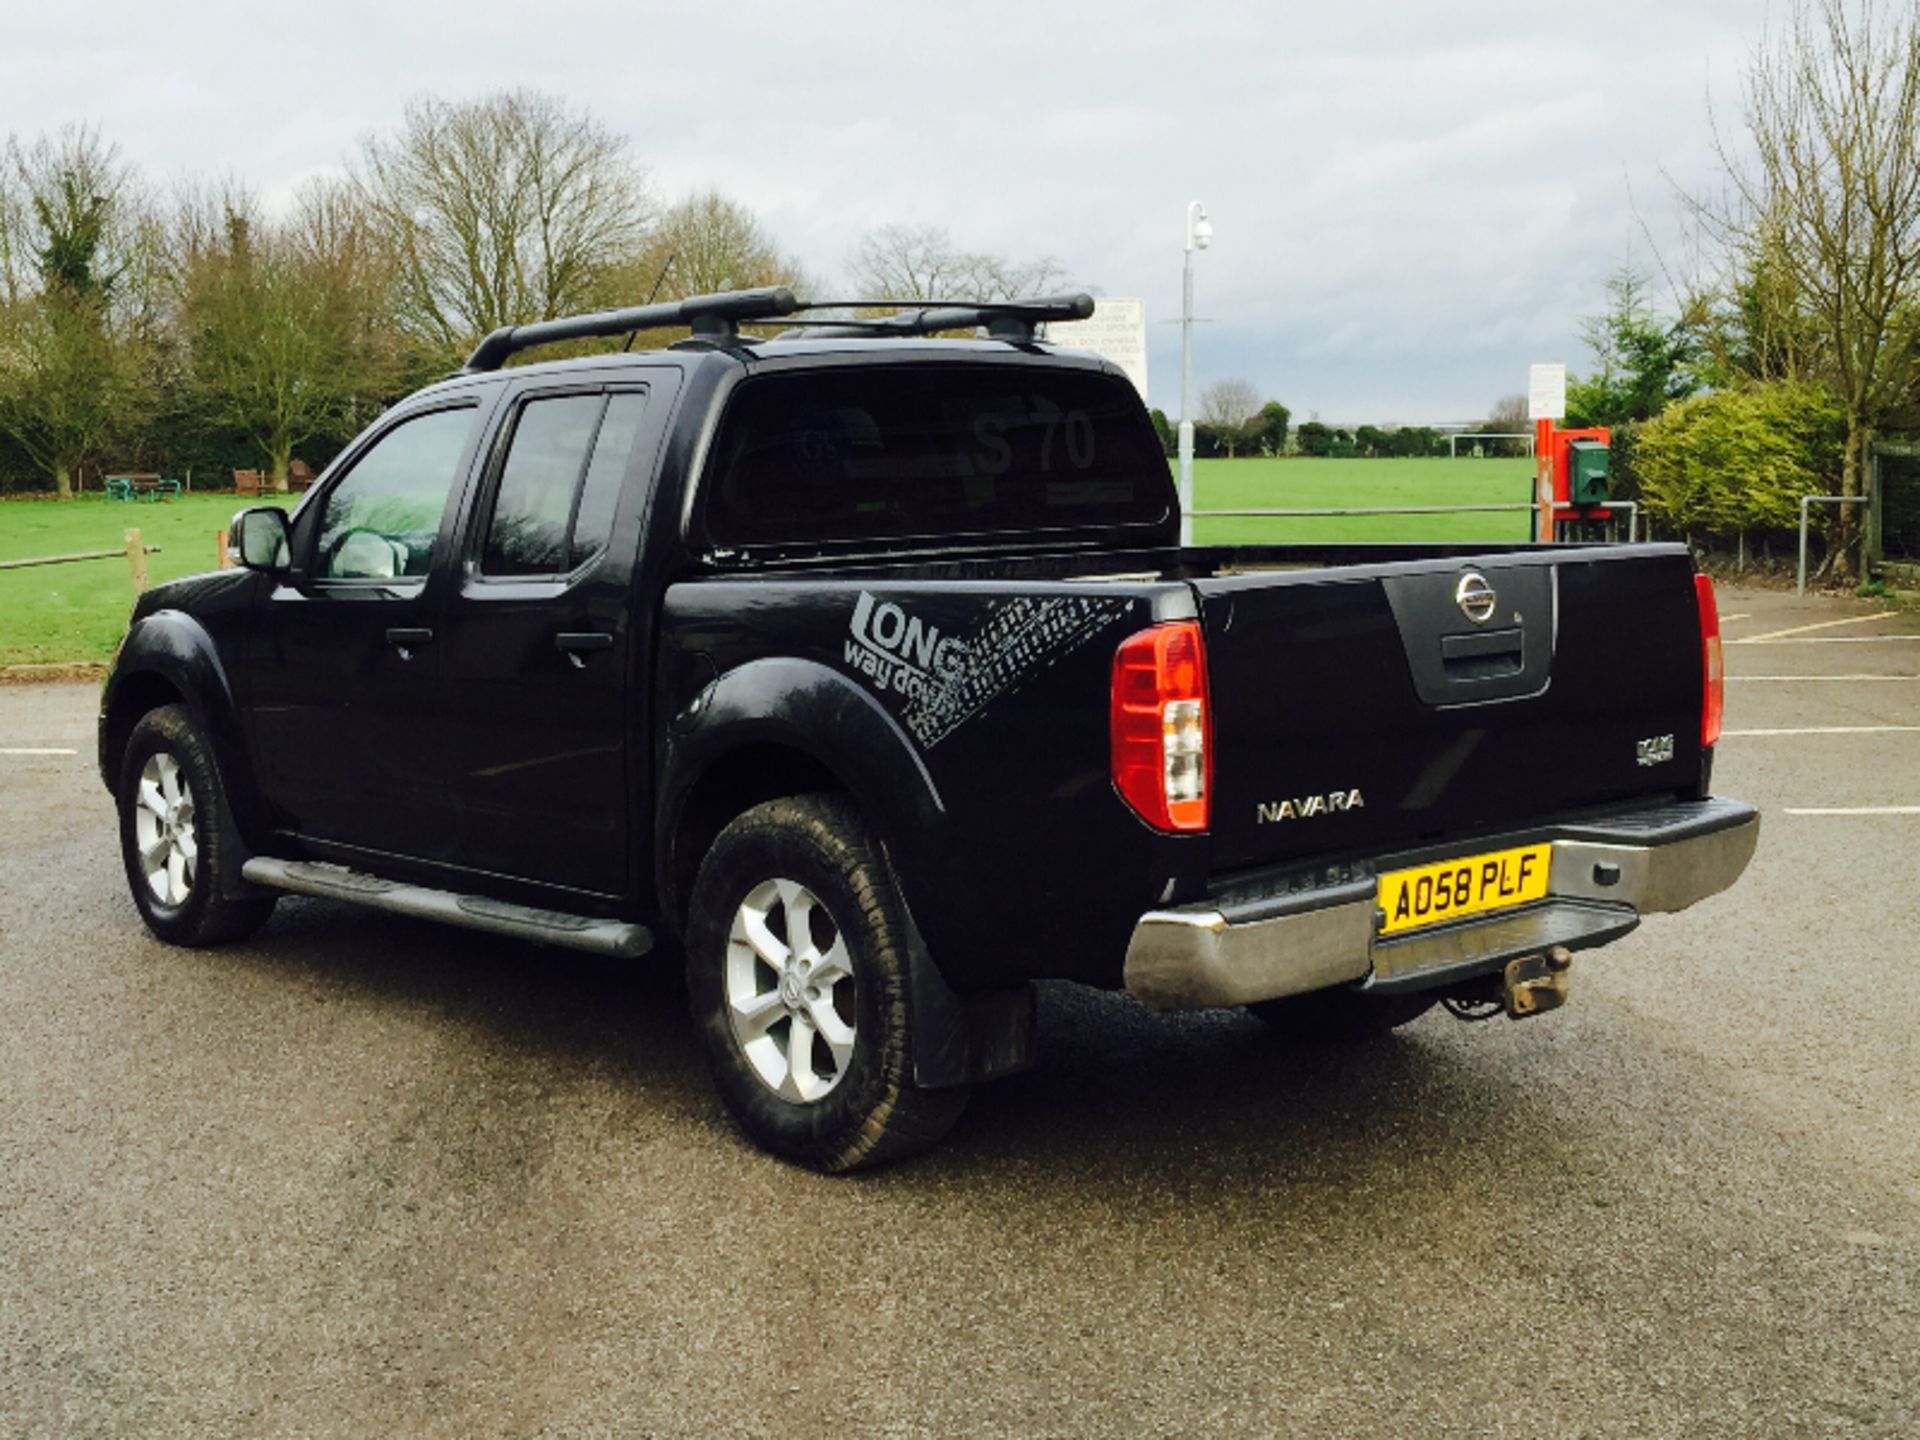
1199,236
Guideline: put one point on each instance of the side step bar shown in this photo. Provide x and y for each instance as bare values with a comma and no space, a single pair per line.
613,938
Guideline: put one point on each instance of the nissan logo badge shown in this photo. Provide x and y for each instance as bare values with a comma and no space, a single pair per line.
1475,597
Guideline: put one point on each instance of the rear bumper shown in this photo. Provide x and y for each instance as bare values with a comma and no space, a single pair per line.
1264,940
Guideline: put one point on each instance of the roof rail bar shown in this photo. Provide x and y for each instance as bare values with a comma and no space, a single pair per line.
712,317
1005,319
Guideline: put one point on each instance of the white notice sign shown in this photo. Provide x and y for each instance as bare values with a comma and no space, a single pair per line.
1117,330
1547,392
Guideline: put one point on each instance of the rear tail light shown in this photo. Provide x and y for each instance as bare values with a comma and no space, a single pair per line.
1713,689
1160,726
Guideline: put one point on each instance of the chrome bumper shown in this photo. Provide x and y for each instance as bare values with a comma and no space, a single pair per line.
1240,947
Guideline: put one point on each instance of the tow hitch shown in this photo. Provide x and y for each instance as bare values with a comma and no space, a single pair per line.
1535,983
1527,986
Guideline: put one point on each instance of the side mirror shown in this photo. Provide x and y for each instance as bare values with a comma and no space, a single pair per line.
260,539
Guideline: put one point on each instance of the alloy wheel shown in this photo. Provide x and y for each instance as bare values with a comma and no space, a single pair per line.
790,991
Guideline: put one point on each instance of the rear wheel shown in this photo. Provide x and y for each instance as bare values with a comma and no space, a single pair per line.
1340,1017
798,977
175,835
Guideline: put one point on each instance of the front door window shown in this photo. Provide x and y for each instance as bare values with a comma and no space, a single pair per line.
382,519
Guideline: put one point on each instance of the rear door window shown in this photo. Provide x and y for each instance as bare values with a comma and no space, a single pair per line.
560,482
922,451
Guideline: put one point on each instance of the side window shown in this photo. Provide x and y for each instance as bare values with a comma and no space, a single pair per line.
600,493
381,520
559,485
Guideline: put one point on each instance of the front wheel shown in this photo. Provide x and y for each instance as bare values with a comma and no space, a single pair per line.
174,835
798,977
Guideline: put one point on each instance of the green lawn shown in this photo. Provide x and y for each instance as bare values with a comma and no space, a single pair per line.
1298,484
78,611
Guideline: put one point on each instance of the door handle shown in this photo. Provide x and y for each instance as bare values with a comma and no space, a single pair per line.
405,637
576,645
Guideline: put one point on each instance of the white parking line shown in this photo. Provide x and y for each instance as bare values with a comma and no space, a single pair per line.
1817,625
1858,810
1829,640
1830,730
12,750
1810,679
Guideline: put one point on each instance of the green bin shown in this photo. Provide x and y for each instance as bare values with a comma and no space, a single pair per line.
1586,472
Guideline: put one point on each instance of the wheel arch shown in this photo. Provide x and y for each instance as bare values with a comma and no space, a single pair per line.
168,658
778,727
786,726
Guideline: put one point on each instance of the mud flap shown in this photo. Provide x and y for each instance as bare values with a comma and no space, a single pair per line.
959,1039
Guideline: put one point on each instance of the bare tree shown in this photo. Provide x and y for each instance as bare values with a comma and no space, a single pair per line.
1230,408
708,243
74,338
287,324
1827,210
1509,416
502,210
705,244
908,262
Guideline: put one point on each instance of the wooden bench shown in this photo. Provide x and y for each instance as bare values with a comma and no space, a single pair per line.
247,482
300,476
139,487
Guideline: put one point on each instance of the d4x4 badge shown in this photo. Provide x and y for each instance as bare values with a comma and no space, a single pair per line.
1306,807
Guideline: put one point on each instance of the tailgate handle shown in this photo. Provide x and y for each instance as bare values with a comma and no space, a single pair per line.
1485,656
1489,642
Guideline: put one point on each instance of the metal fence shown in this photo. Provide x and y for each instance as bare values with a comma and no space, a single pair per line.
1532,507
1800,574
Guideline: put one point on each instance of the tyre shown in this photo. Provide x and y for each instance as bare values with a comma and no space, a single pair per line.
1340,1017
798,946
176,835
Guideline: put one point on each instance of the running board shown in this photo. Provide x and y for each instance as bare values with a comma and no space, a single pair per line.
613,938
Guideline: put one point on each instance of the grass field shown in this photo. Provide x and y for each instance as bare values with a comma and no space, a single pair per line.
1298,484
77,612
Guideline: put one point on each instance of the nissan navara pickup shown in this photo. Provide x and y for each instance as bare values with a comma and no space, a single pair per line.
863,669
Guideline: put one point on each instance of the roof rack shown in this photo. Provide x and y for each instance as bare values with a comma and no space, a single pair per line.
717,318
712,317
1004,319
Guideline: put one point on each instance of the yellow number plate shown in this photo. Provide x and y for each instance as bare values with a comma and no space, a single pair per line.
1471,885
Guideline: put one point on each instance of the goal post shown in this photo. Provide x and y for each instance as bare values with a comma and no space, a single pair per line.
1453,441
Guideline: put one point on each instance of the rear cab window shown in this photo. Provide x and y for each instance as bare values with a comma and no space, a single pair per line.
898,453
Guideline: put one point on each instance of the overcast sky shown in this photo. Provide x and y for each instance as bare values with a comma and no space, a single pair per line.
1411,201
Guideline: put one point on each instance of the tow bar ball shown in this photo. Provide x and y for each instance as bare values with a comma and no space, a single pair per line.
1536,983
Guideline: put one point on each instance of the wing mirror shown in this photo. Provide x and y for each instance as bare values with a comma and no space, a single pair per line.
260,539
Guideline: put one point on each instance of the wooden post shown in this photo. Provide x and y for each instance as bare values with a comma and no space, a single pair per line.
222,559
137,561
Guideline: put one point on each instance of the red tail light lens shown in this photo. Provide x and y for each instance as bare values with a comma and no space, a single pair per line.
1160,727
1713,693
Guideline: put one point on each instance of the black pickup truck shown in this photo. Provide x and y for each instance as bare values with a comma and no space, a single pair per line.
863,668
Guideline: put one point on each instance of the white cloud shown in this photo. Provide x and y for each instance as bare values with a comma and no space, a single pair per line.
1411,201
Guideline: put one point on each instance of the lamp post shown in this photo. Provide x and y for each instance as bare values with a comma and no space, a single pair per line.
1199,236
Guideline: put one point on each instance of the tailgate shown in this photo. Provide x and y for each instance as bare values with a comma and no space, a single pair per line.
1381,707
